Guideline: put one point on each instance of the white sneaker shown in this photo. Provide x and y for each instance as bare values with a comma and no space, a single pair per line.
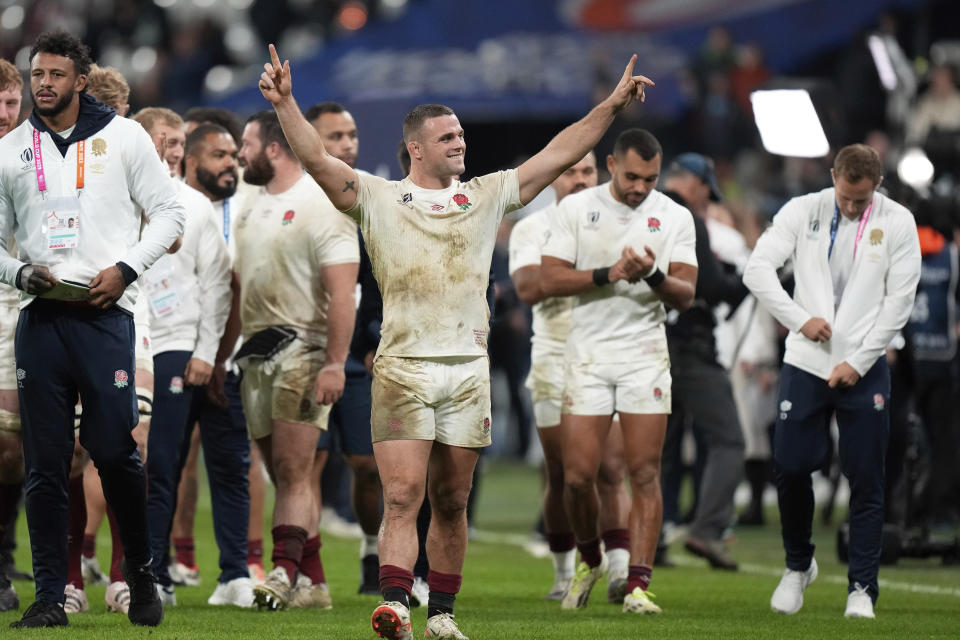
237,592
274,593
306,595
640,601
578,593
184,576
443,627
419,593
91,571
167,595
391,620
118,597
560,587
788,596
75,600
859,603
617,585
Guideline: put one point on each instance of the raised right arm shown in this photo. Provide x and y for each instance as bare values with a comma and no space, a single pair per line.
336,177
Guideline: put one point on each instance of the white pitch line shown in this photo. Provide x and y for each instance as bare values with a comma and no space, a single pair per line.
520,540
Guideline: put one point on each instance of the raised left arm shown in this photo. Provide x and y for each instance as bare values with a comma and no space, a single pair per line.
571,144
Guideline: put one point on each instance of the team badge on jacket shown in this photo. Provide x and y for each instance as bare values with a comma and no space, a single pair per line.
653,224
876,236
120,379
176,385
288,217
878,401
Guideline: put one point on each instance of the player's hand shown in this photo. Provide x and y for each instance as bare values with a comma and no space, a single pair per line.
330,383
648,262
816,329
368,361
107,287
36,279
629,88
215,393
141,435
276,84
843,375
197,373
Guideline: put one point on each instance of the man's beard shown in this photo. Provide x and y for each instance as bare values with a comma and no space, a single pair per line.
209,181
258,171
58,107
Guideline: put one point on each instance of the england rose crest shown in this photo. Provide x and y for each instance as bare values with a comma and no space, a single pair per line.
120,379
288,217
653,224
462,201
176,385
657,393
878,401
486,426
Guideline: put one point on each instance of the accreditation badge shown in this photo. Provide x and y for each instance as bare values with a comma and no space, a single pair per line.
61,222
160,287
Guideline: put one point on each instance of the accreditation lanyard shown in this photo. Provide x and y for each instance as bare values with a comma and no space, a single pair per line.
836,223
226,220
38,165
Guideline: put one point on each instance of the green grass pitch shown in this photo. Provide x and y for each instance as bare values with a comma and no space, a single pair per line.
503,587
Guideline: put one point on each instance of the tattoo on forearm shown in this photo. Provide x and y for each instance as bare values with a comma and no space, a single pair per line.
349,186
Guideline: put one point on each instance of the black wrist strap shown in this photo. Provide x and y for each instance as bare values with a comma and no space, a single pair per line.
129,275
601,276
16,282
655,279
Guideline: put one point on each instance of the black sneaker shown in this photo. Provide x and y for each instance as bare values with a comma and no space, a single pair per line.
369,575
8,595
146,609
42,613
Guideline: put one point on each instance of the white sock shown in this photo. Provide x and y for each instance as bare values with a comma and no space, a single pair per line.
368,546
564,564
619,561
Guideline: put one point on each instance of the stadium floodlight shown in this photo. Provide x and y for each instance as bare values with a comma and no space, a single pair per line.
881,59
788,123
915,169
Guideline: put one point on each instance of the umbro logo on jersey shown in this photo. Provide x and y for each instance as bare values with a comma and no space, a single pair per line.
438,207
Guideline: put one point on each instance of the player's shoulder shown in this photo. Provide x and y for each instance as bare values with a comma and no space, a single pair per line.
18,137
528,225
488,181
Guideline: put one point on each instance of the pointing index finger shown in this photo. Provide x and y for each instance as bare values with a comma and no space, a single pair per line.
628,72
274,58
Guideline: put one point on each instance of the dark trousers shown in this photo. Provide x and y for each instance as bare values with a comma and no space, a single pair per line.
800,443
63,351
226,447
701,391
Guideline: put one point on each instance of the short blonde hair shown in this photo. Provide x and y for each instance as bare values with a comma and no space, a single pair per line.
151,116
10,78
108,85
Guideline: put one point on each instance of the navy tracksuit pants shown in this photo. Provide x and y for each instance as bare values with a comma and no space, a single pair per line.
226,447
800,444
63,351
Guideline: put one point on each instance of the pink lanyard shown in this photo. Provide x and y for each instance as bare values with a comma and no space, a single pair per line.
38,164
836,223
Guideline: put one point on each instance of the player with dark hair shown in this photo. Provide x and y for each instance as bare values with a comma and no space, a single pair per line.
430,239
